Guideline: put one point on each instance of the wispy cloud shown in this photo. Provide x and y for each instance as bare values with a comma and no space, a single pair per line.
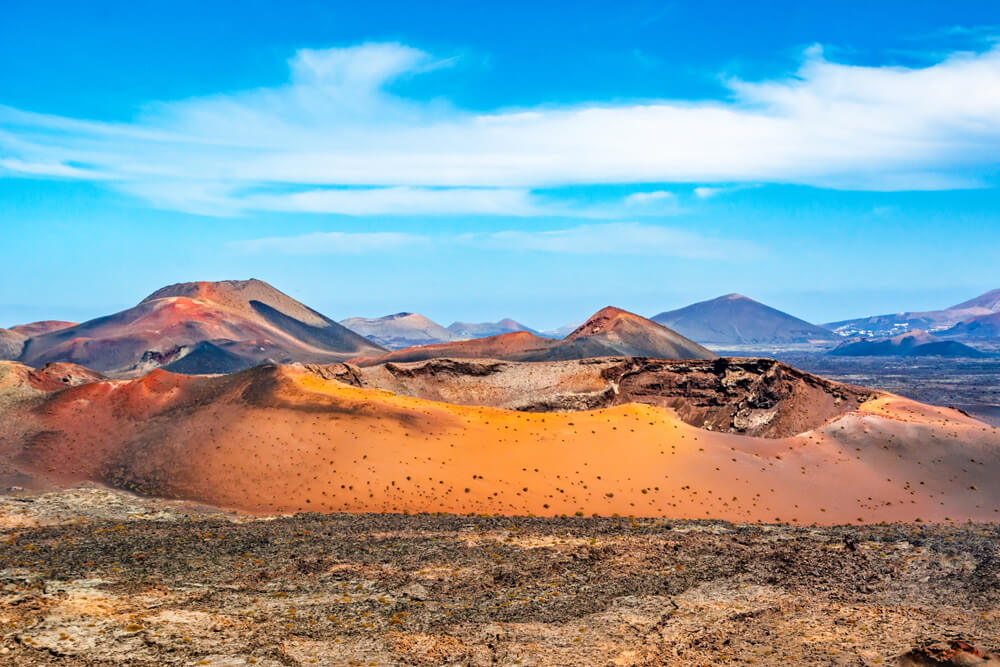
336,126
708,192
624,238
620,238
656,197
333,243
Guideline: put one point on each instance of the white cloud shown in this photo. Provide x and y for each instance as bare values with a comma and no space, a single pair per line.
621,238
336,125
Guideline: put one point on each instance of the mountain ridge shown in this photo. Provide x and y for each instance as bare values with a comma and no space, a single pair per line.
609,332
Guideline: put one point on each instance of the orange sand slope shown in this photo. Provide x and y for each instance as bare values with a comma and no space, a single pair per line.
282,439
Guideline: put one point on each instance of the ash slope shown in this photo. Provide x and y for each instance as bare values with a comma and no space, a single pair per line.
609,332
246,319
279,439
735,319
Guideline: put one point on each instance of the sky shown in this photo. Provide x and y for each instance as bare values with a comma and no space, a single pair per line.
473,161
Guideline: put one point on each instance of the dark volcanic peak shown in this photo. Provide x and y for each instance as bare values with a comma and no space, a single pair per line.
184,315
912,344
734,319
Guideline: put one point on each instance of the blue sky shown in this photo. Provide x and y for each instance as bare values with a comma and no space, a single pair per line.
474,162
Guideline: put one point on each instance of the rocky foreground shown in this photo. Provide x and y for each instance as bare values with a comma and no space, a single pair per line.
96,577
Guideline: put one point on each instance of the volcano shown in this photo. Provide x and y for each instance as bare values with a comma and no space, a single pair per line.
248,319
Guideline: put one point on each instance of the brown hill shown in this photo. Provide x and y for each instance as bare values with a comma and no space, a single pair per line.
248,319
286,439
609,332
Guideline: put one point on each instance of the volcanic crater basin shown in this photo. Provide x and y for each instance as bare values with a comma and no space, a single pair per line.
89,587
287,439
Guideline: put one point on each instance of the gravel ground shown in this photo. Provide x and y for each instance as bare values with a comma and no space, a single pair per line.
95,577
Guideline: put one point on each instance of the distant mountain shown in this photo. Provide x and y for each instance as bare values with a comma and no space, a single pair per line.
932,320
912,344
400,330
246,318
737,319
975,328
610,332
484,329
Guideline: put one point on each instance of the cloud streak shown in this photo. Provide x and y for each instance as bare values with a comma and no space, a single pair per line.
335,126
622,238
333,243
